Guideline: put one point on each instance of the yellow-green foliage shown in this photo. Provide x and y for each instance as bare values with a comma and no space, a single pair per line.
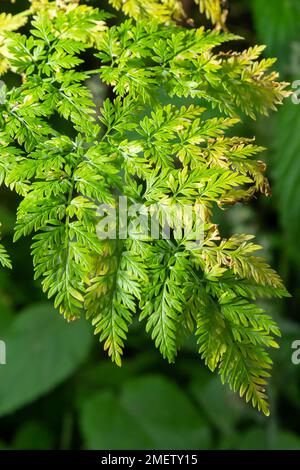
163,10
214,10
162,139
8,22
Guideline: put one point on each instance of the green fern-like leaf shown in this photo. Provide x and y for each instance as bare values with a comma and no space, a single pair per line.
214,10
158,156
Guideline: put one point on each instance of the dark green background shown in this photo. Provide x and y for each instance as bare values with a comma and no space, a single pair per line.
58,390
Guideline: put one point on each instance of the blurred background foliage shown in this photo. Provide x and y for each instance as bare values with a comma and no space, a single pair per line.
58,391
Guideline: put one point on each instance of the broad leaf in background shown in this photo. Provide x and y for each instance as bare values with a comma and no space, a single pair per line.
42,350
277,26
120,431
256,439
286,171
221,406
166,413
36,432
151,412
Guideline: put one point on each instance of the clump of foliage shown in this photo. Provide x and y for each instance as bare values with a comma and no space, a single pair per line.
161,138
